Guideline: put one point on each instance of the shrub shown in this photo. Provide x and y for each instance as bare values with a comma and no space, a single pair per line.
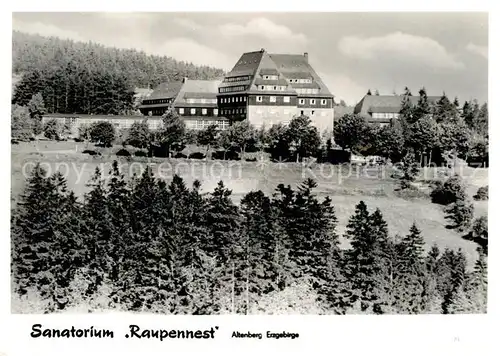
460,214
479,231
123,152
451,191
482,193
52,130
103,133
140,154
92,152
196,155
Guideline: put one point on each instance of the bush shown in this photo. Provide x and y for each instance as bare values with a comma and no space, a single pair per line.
123,152
196,155
103,133
141,154
92,152
482,193
479,231
52,130
460,214
451,191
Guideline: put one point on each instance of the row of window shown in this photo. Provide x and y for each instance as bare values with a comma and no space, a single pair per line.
192,111
234,99
271,77
201,101
276,112
237,79
157,101
234,88
307,90
304,81
286,99
203,124
271,87
233,111
378,115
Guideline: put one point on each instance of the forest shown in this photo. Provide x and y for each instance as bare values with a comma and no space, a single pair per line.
89,78
148,245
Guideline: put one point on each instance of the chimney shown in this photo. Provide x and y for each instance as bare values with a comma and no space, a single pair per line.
185,79
306,56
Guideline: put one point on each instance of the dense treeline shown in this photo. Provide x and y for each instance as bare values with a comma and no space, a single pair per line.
149,245
88,78
431,132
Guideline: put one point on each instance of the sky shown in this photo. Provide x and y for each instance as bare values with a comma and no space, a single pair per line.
352,52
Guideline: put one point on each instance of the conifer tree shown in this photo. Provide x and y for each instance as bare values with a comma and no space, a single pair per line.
39,239
363,267
97,232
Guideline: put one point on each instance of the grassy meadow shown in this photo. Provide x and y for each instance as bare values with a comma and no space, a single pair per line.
346,185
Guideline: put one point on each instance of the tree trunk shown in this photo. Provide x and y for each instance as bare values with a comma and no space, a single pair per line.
232,289
247,294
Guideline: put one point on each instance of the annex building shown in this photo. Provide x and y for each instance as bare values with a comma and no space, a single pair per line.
382,109
194,100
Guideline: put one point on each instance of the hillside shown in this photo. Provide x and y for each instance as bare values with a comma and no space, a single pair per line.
38,52
88,78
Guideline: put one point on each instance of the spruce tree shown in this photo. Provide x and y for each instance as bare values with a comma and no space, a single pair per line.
363,267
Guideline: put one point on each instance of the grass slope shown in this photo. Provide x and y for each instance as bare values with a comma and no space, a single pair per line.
346,186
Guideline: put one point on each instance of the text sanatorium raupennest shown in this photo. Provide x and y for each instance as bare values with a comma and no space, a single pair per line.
136,332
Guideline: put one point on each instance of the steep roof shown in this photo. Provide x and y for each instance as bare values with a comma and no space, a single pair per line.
197,89
166,90
296,66
386,103
287,66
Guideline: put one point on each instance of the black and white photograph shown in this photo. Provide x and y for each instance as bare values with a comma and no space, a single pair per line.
249,163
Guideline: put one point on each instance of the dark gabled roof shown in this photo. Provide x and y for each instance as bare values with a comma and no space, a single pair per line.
286,66
299,75
384,109
375,103
281,81
298,64
269,71
166,90
247,64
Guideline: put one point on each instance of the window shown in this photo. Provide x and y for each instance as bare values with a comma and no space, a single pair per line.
313,101
216,112
323,101
286,99
259,99
301,112
312,113
261,87
203,111
266,77
244,98
272,99
302,101
193,111
181,111
274,88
